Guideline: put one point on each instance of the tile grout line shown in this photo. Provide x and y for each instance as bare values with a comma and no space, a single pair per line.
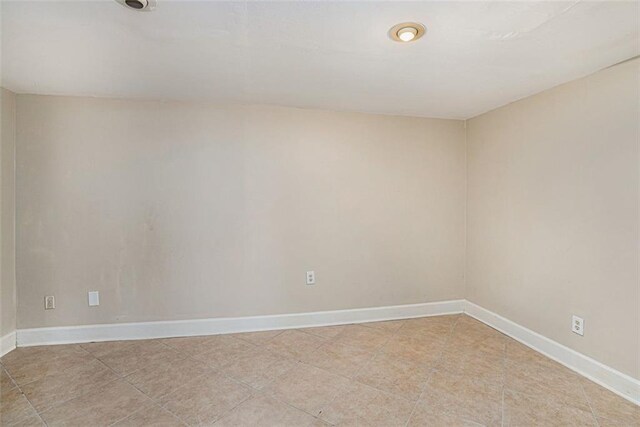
332,340
504,380
119,377
280,331
295,360
547,400
273,396
39,413
12,379
328,341
593,412
142,409
374,354
37,379
216,369
17,386
157,399
300,362
415,406
154,401
77,397
251,395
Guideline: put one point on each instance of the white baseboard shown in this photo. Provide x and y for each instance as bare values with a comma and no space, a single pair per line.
180,328
619,383
7,343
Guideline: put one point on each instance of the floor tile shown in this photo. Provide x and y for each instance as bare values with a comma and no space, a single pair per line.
26,364
307,388
259,337
225,352
258,367
151,416
387,326
526,410
474,326
114,402
294,344
28,355
425,416
435,325
338,358
395,376
605,422
205,399
350,422
485,342
521,354
325,331
464,398
32,420
159,380
14,407
102,348
548,380
360,404
369,339
76,381
131,358
6,382
195,345
415,349
609,407
479,366
262,410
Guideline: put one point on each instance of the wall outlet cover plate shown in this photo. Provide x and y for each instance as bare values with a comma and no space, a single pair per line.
311,278
577,325
94,298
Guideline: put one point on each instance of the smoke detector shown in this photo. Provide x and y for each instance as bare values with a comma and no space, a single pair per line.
138,5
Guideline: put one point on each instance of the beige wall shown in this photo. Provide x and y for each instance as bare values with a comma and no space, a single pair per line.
553,214
7,213
179,211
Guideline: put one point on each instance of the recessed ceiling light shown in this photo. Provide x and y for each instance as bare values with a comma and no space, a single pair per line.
407,32
138,5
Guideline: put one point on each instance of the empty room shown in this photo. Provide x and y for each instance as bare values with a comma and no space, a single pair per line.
319,213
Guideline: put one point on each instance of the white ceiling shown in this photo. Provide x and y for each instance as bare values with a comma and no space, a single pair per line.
475,56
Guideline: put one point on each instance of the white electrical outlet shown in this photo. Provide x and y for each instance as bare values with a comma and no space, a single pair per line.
49,302
311,278
94,298
577,325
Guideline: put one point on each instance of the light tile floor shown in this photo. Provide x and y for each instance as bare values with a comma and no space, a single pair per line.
435,371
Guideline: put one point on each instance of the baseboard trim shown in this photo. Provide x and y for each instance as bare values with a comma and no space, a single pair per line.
7,343
180,328
619,383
